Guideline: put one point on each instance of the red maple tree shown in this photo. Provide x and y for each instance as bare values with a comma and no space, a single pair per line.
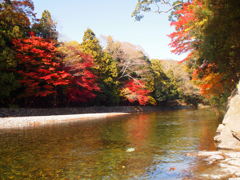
83,83
135,91
183,40
39,70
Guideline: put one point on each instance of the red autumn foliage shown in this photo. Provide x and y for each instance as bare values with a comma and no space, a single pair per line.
83,83
134,90
39,69
41,72
182,40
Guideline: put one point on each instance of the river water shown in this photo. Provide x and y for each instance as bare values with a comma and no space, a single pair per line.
137,146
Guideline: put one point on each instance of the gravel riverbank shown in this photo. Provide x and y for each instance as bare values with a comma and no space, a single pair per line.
18,112
30,117
35,121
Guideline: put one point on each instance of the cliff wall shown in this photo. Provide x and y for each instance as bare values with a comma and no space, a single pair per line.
228,133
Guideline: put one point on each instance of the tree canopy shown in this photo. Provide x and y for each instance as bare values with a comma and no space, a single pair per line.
38,70
208,30
46,27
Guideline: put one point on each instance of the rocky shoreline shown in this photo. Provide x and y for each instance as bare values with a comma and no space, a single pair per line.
228,132
225,163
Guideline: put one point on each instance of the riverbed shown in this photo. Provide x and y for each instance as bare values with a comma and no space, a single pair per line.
137,146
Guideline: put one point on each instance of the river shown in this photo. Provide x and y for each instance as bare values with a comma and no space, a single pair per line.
136,146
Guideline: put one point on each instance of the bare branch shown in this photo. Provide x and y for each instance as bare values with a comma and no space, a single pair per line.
158,8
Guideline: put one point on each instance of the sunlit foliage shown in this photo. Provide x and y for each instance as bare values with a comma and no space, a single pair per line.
208,30
39,71
83,82
105,68
135,91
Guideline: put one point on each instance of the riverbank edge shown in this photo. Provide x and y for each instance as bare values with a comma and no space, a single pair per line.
19,112
30,117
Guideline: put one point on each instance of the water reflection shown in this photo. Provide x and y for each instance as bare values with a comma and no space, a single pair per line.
138,129
98,149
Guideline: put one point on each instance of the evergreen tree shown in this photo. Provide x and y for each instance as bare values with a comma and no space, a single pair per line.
46,28
105,68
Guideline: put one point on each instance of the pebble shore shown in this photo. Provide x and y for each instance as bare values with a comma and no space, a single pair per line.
35,121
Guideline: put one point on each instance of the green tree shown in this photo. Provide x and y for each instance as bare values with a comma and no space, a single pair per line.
105,68
221,40
46,27
165,87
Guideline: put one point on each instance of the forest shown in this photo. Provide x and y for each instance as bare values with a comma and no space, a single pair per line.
208,31
38,70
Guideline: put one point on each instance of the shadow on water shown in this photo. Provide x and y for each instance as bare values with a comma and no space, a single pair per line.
138,146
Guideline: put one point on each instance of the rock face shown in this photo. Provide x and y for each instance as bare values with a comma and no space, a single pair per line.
224,164
228,133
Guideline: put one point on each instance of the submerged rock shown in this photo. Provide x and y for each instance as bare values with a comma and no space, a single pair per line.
209,153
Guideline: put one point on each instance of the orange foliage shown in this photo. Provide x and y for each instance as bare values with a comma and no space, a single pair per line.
210,83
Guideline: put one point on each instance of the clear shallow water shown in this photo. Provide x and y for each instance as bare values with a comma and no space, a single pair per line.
99,149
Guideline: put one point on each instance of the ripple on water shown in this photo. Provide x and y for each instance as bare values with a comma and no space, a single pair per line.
139,146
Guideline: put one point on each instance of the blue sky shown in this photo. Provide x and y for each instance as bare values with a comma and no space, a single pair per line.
110,17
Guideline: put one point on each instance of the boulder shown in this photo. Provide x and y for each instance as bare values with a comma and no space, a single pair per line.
228,133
